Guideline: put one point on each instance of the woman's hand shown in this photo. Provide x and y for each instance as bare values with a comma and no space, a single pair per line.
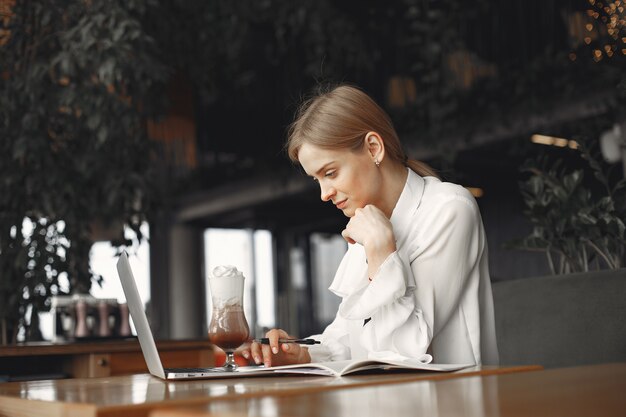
276,353
371,228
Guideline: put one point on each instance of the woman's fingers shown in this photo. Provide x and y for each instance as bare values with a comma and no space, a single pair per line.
273,336
266,353
255,353
291,351
244,351
274,353
346,235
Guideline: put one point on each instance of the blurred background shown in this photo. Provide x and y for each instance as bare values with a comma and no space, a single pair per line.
158,127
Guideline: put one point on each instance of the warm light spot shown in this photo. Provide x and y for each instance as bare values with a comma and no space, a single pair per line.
597,53
607,48
542,140
476,192
553,141
592,2
609,54
560,142
572,56
589,27
64,81
587,40
6,13
623,51
624,39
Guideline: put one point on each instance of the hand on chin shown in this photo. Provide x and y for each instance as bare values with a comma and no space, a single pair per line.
348,211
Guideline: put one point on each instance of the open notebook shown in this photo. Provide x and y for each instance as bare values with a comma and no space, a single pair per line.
336,368
347,367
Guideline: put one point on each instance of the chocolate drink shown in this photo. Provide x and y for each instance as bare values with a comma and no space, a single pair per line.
228,328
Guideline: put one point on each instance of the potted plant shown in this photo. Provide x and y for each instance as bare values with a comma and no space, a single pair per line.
578,220
78,82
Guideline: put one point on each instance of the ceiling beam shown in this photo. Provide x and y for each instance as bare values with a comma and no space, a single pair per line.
240,195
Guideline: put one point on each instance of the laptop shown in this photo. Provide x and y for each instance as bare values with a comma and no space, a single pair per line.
146,340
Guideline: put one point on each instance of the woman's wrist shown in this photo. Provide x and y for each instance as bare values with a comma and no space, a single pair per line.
382,245
377,258
305,356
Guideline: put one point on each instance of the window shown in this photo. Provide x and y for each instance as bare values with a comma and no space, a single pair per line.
326,254
251,252
103,262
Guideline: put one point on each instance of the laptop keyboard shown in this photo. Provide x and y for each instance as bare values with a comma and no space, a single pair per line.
191,370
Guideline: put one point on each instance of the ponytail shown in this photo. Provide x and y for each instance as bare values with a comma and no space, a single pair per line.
421,168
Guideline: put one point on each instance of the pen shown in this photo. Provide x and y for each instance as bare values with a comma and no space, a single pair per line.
266,341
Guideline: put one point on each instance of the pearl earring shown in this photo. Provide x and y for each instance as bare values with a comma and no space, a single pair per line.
377,162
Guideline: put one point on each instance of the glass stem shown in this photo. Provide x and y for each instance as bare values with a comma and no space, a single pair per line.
230,364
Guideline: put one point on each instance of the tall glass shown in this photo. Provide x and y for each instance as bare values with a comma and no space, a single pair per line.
228,328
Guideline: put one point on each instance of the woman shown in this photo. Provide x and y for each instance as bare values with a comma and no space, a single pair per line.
414,280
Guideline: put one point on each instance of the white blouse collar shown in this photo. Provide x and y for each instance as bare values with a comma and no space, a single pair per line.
407,204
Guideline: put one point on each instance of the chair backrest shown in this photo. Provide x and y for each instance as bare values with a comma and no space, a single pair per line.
563,320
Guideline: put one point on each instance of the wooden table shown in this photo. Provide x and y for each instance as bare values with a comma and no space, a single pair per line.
138,395
585,391
98,358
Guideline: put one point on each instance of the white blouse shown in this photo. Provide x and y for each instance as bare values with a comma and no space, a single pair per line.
431,296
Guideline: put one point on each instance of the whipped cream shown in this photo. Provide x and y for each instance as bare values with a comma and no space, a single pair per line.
226,285
226,271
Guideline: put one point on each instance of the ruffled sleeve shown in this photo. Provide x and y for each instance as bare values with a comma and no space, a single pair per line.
334,343
397,325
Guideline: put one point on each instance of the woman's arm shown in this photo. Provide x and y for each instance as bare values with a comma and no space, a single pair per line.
334,346
370,228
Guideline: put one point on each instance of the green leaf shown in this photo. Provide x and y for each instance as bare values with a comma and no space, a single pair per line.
587,219
573,180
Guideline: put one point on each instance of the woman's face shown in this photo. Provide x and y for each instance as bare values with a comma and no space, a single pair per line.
346,178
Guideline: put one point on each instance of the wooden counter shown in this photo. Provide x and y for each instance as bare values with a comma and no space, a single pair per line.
97,358
138,395
585,391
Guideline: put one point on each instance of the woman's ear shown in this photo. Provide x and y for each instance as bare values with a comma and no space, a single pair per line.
375,146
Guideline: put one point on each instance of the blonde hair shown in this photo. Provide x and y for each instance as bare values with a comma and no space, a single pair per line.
339,118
